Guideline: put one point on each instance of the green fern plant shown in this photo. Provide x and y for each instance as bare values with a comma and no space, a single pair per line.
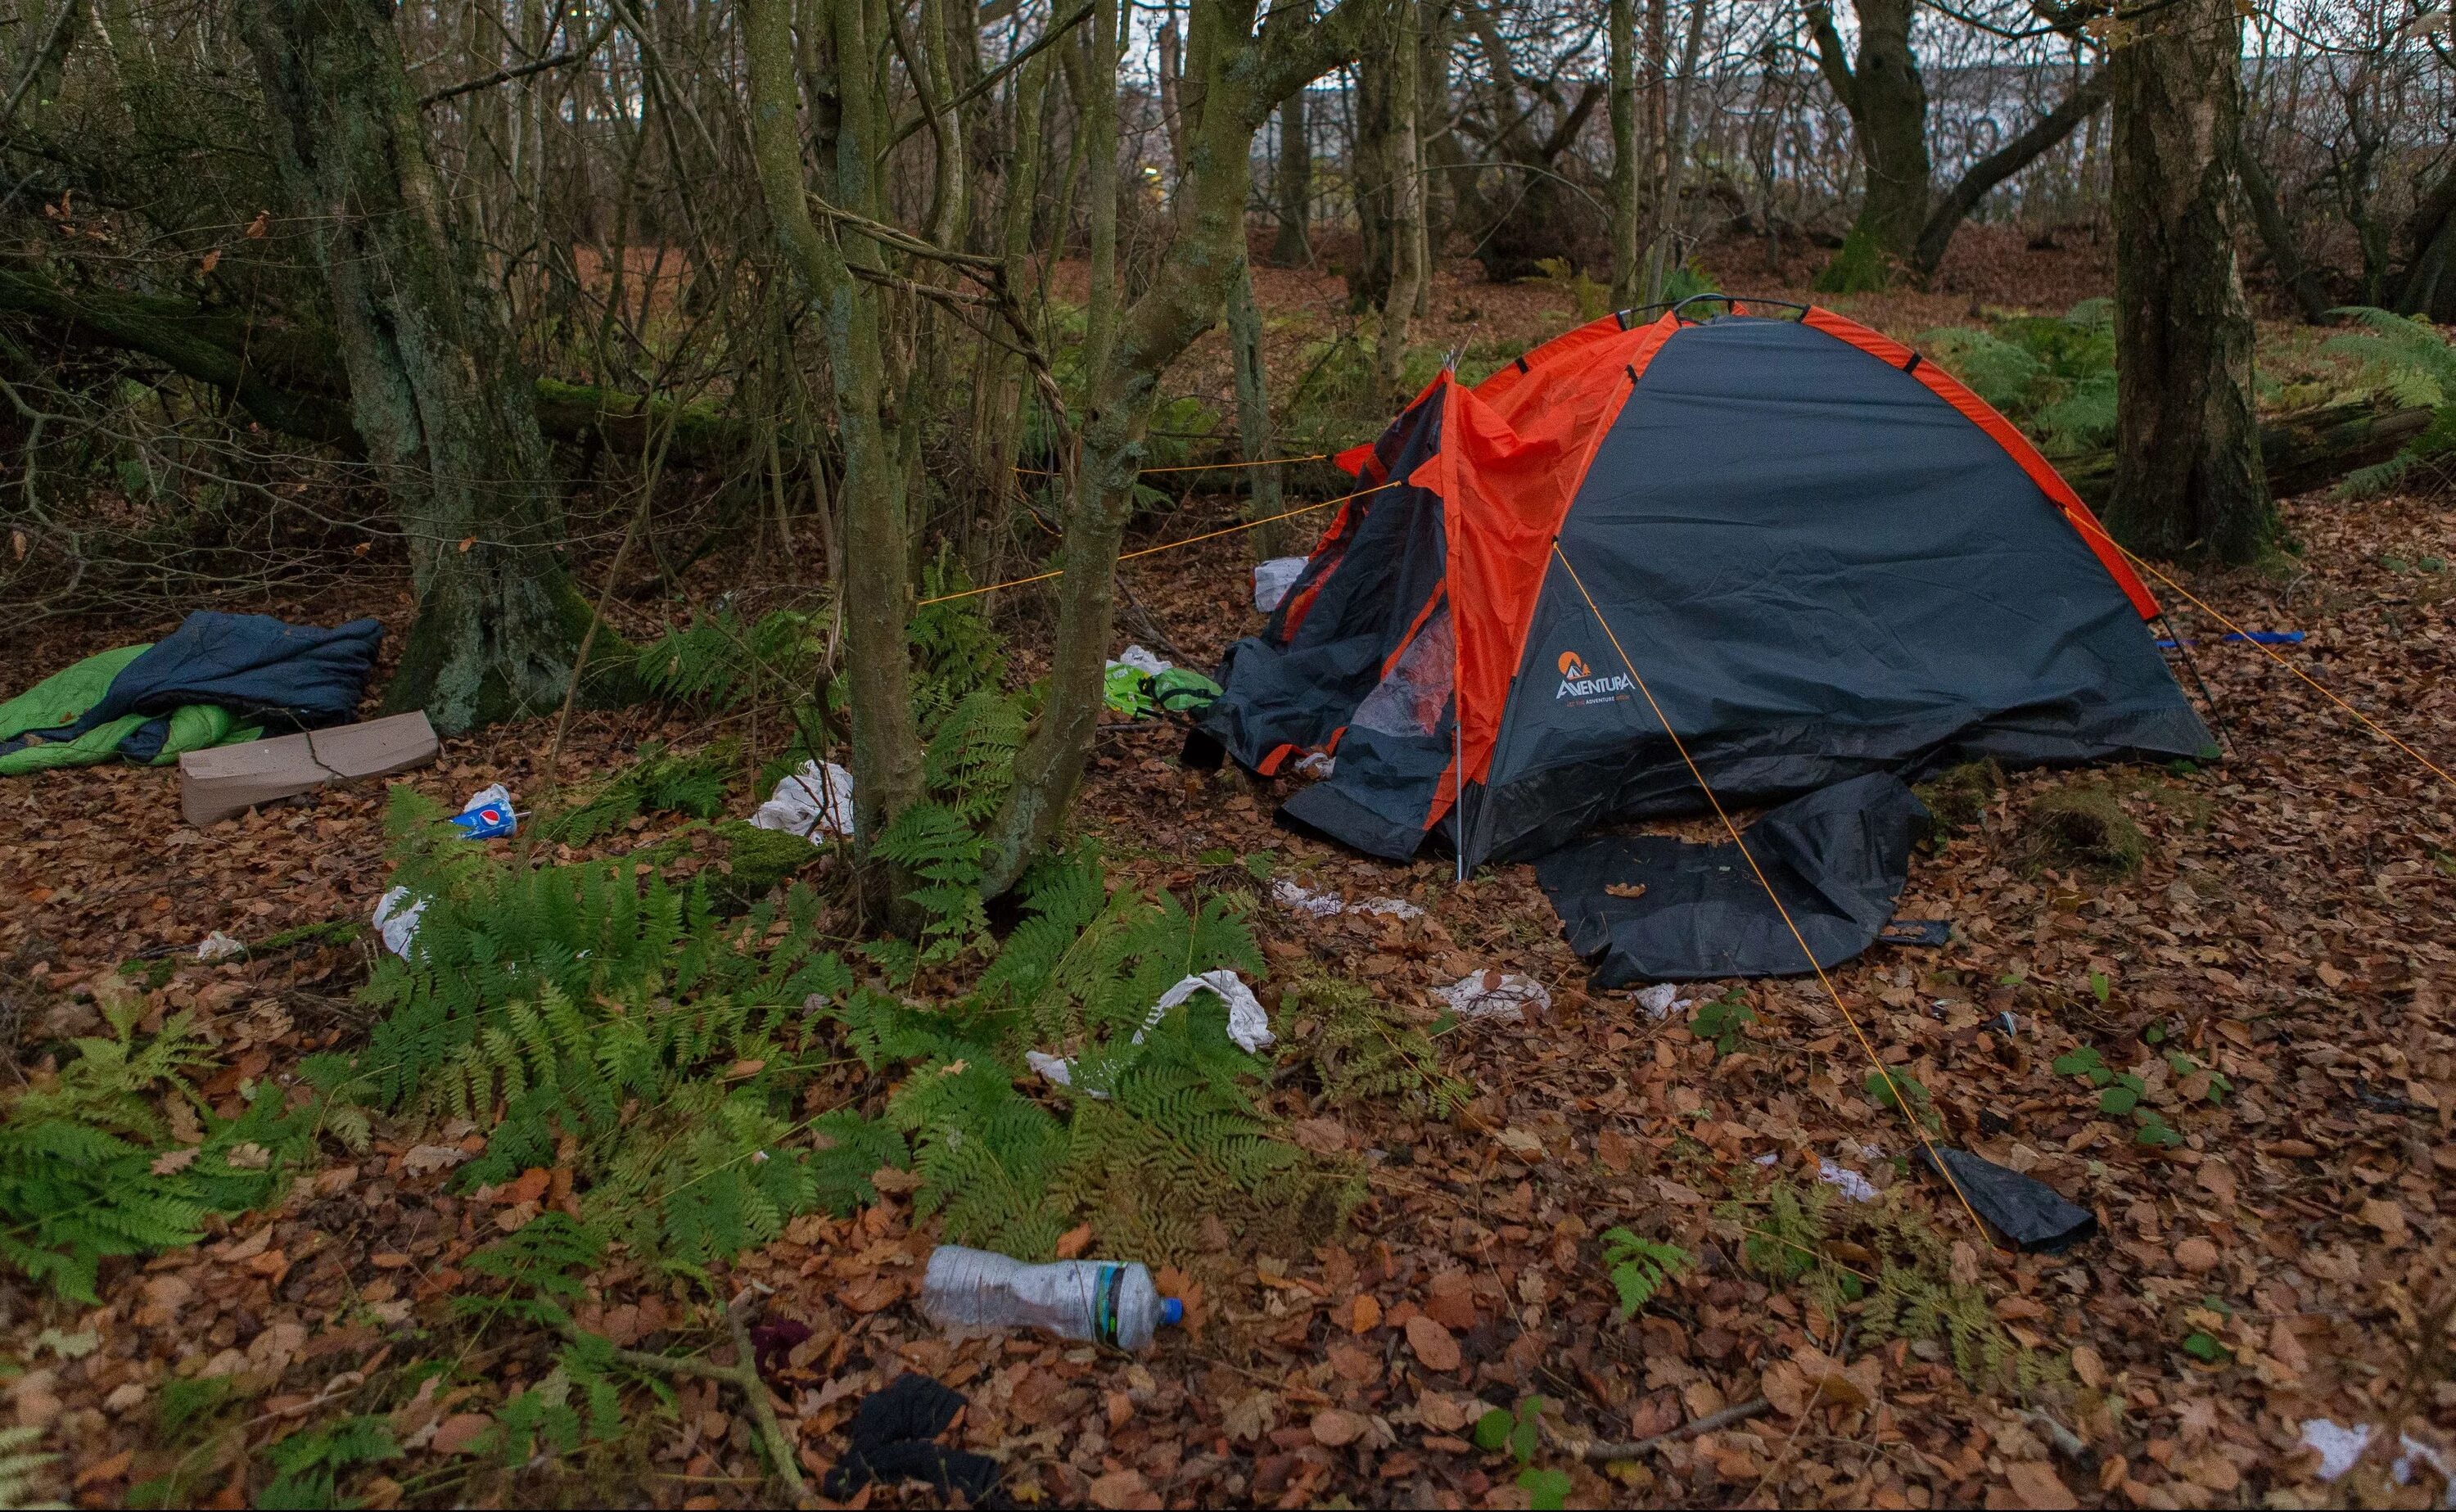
718,661
2414,366
659,782
1359,1049
1639,1267
17,1468
307,1465
1789,1234
88,1169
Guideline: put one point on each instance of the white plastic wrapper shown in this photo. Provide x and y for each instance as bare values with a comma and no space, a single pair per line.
1273,579
397,915
1247,1024
1297,899
1141,661
1851,1183
219,947
1390,908
1662,1000
1502,995
2339,1446
1313,764
1249,1027
814,803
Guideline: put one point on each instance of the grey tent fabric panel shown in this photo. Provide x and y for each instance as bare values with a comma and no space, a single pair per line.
1819,569
1359,598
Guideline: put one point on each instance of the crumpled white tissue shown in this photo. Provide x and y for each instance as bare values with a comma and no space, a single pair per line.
1273,579
814,803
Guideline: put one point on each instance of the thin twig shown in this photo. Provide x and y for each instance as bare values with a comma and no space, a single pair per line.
499,76
743,1374
1599,1453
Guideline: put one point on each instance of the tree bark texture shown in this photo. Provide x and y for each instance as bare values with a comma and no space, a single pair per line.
1292,247
2188,475
1254,416
435,389
1886,98
1628,277
1903,225
877,597
1406,209
1232,79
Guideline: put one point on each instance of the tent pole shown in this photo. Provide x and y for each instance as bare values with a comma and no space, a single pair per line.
1458,783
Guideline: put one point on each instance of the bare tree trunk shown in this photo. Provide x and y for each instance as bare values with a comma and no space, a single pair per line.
877,593
1292,245
1232,81
1406,209
436,393
1254,415
2277,235
999,403
1620,42
1935,237
1097,118
1666,250
1887,102
2188,475
1372,175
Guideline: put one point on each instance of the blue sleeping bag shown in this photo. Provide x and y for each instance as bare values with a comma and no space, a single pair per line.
263,670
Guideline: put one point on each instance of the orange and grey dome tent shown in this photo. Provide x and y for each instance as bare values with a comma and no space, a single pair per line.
1811,553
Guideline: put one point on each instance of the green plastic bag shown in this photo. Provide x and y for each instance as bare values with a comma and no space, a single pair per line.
1127,691
1179,691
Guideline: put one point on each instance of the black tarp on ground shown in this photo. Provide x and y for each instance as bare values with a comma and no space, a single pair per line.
263,670
1839,857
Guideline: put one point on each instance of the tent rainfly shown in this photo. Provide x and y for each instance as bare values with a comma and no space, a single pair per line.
1811,553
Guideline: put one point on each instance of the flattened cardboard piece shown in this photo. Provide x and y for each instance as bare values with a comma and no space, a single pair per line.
227,780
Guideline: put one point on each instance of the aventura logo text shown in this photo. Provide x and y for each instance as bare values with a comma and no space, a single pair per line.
1580,685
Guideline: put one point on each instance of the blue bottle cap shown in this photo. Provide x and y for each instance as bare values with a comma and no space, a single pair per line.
1172,1312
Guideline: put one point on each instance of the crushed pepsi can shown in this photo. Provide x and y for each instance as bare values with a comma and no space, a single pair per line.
488,814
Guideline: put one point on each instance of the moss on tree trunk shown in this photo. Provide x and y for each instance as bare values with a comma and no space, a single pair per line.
437,393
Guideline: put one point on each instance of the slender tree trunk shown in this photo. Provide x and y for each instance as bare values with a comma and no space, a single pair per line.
1232,81
877,594
1292,245
1406,209
2188,476
998,410
1097,120
1887,102
1254,415
1935,237
1666,250
2277,235
1628,275
1373,175
437,392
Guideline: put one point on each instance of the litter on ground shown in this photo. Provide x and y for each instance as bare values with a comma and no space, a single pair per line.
814,803
1496,994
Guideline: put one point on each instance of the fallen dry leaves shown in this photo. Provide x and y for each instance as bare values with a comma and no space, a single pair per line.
2288,933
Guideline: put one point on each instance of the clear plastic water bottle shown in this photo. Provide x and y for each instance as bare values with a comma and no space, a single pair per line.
1103,1301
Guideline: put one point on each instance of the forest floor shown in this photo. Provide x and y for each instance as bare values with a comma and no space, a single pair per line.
2283,943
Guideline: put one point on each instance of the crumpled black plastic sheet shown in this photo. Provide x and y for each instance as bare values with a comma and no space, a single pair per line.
2025,1209
1837,857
